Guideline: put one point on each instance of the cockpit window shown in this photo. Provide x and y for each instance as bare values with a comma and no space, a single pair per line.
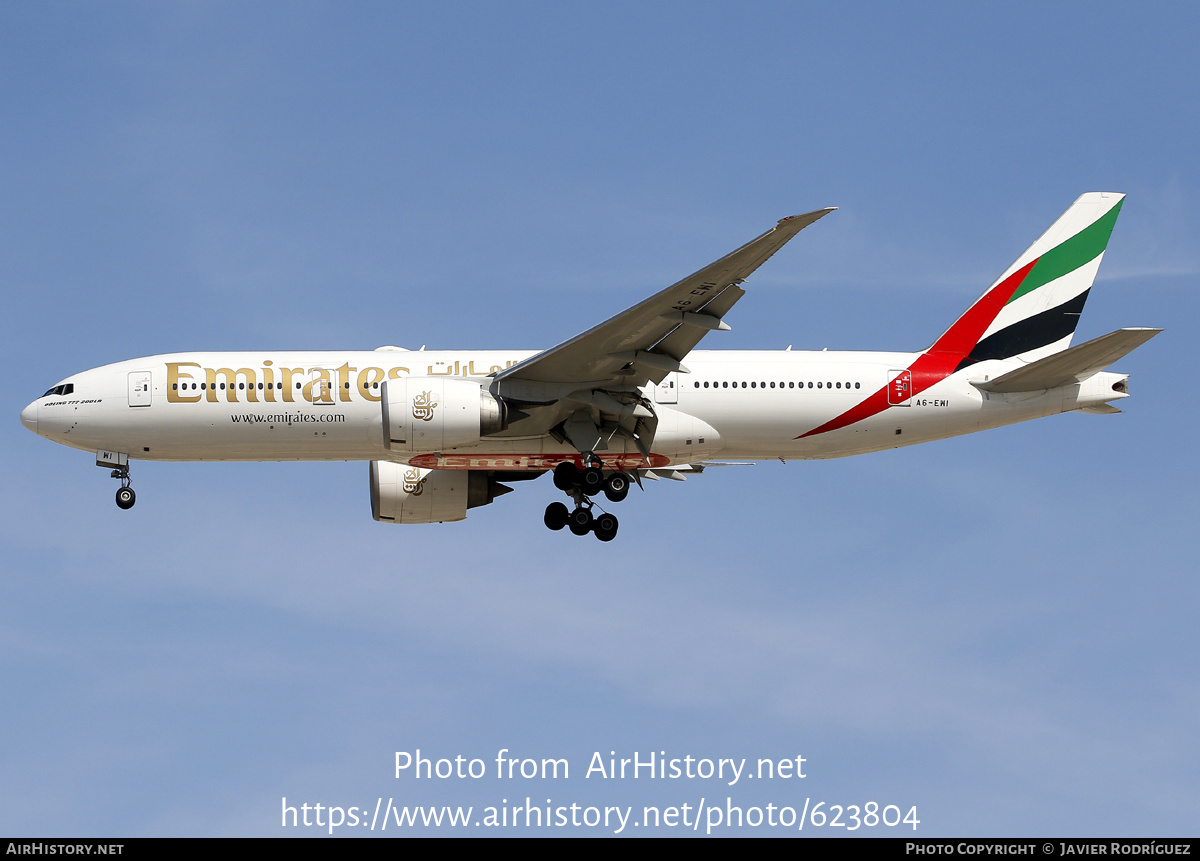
63,389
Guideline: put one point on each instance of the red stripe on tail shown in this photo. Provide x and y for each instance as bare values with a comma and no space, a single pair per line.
940,360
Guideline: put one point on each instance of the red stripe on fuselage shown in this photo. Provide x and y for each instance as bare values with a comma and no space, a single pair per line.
531,461
940,360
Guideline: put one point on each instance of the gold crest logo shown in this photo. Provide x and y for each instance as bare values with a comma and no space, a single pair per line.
414,485
423,406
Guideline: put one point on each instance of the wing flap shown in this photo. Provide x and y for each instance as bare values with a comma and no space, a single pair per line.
681,471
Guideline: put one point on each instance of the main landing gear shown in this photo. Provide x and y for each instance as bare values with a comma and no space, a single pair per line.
125,495
581,485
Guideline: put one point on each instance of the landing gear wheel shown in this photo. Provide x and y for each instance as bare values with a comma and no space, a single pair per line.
556,516
126,498
616,486
605,527
591,480
580,521
566,475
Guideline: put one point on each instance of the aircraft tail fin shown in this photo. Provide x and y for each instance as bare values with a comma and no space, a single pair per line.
1031,311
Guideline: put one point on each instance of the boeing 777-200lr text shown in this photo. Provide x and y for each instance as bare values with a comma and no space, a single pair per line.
627,400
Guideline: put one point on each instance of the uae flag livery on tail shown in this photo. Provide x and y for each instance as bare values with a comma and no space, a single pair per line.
1040,315
1030,312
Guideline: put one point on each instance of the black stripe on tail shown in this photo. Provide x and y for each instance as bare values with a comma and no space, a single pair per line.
1049,326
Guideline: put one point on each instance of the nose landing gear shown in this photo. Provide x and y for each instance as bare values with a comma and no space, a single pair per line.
107,459
125,495
581,485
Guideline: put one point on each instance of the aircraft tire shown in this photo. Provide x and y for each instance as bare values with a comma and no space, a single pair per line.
591,480
125,498
616,486
556,516
580,521
605,527
566,475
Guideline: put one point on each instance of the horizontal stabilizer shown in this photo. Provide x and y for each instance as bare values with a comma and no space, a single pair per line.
1070,366
1100,409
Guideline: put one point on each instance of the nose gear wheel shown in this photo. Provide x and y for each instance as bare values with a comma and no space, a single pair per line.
125,495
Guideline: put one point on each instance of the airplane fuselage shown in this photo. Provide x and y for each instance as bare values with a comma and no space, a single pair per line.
278,406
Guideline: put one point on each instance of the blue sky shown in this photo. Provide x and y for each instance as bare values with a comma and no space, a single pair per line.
998,629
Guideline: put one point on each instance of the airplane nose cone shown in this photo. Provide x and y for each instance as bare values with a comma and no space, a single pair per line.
29,416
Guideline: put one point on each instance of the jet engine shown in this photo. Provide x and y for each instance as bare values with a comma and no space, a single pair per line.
436,413
408,494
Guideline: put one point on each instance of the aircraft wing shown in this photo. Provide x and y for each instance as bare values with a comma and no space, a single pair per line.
649,340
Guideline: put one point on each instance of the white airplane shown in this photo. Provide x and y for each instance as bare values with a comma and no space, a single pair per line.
626,400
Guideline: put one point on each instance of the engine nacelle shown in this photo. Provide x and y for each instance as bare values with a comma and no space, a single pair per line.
425,414
408,494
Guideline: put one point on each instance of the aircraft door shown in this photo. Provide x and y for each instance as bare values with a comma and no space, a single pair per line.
141,389
667,392
900,388
321,387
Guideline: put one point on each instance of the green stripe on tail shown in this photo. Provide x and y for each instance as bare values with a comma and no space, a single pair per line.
1084,247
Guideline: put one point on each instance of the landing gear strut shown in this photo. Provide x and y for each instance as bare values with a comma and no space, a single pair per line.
125,495
581,485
